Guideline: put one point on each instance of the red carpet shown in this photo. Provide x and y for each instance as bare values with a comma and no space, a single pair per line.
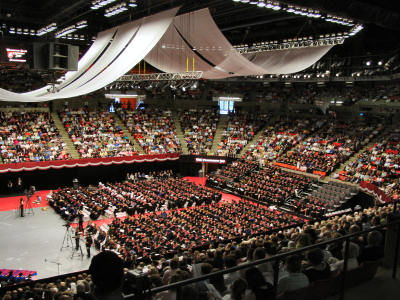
11,203
197,180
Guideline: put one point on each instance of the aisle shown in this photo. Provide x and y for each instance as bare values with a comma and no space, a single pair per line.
202,181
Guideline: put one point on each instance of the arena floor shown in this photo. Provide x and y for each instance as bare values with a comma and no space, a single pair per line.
34,241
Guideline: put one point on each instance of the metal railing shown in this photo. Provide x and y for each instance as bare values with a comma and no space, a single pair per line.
393,224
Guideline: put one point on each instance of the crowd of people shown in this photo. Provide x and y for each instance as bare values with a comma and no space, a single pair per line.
96,134
155,234
68,288
280,137
379,164
326,149
30,137
139,195
153,128
19,78
199,127
268,184
240,130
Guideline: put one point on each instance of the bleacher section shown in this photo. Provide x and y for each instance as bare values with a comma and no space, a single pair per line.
96,134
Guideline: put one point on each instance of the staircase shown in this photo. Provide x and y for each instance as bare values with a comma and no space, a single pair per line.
65,136
179,133
254,140
221,126
126,132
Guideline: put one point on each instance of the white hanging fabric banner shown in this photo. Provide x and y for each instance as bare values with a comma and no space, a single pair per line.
102,40
201,32
150,32
127,49
289,60
172,54
171,45
196,35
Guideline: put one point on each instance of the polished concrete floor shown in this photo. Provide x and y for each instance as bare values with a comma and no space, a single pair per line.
34,242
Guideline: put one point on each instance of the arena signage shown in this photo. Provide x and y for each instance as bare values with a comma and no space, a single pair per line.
210,160
16,55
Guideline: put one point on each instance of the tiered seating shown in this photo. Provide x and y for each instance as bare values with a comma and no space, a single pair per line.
231,173
269,184
199,127
30,136
329,197
280,137
240,129
322,152
380,165
95,134
153,128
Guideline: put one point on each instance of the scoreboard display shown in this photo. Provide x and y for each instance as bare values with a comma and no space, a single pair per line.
16,55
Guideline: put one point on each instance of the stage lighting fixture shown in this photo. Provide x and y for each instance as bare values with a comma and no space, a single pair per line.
380,63
253,2
368,63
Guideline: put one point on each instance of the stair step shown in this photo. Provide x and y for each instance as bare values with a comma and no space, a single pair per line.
126,132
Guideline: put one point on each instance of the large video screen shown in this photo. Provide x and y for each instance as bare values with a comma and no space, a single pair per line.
16,55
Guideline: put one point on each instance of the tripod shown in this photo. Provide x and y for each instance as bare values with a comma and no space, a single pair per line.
67,241
77,250
28,206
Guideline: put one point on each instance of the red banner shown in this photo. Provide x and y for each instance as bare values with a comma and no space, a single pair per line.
85,162
376,191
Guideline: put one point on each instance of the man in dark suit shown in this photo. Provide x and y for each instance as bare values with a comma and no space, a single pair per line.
21,206
89,243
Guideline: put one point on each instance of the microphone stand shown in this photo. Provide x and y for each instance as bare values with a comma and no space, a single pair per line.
54,262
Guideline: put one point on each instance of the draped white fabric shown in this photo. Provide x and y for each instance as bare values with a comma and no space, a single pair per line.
168,43
103,39
287,61
129,46
216,57
200,30
172,54
150,32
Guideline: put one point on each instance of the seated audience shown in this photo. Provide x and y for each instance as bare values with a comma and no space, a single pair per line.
30,137
153,128
199,127
96,134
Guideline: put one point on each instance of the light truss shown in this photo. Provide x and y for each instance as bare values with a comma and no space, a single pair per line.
195,75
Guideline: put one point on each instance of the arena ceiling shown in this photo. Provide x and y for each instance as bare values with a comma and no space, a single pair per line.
241,23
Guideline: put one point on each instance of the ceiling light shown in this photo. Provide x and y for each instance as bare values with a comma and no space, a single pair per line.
96,4
132,3
47,29
261,3
81,24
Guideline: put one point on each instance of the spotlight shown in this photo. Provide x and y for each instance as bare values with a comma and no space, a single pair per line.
368,63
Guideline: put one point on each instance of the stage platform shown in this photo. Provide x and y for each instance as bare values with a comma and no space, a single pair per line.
34,241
